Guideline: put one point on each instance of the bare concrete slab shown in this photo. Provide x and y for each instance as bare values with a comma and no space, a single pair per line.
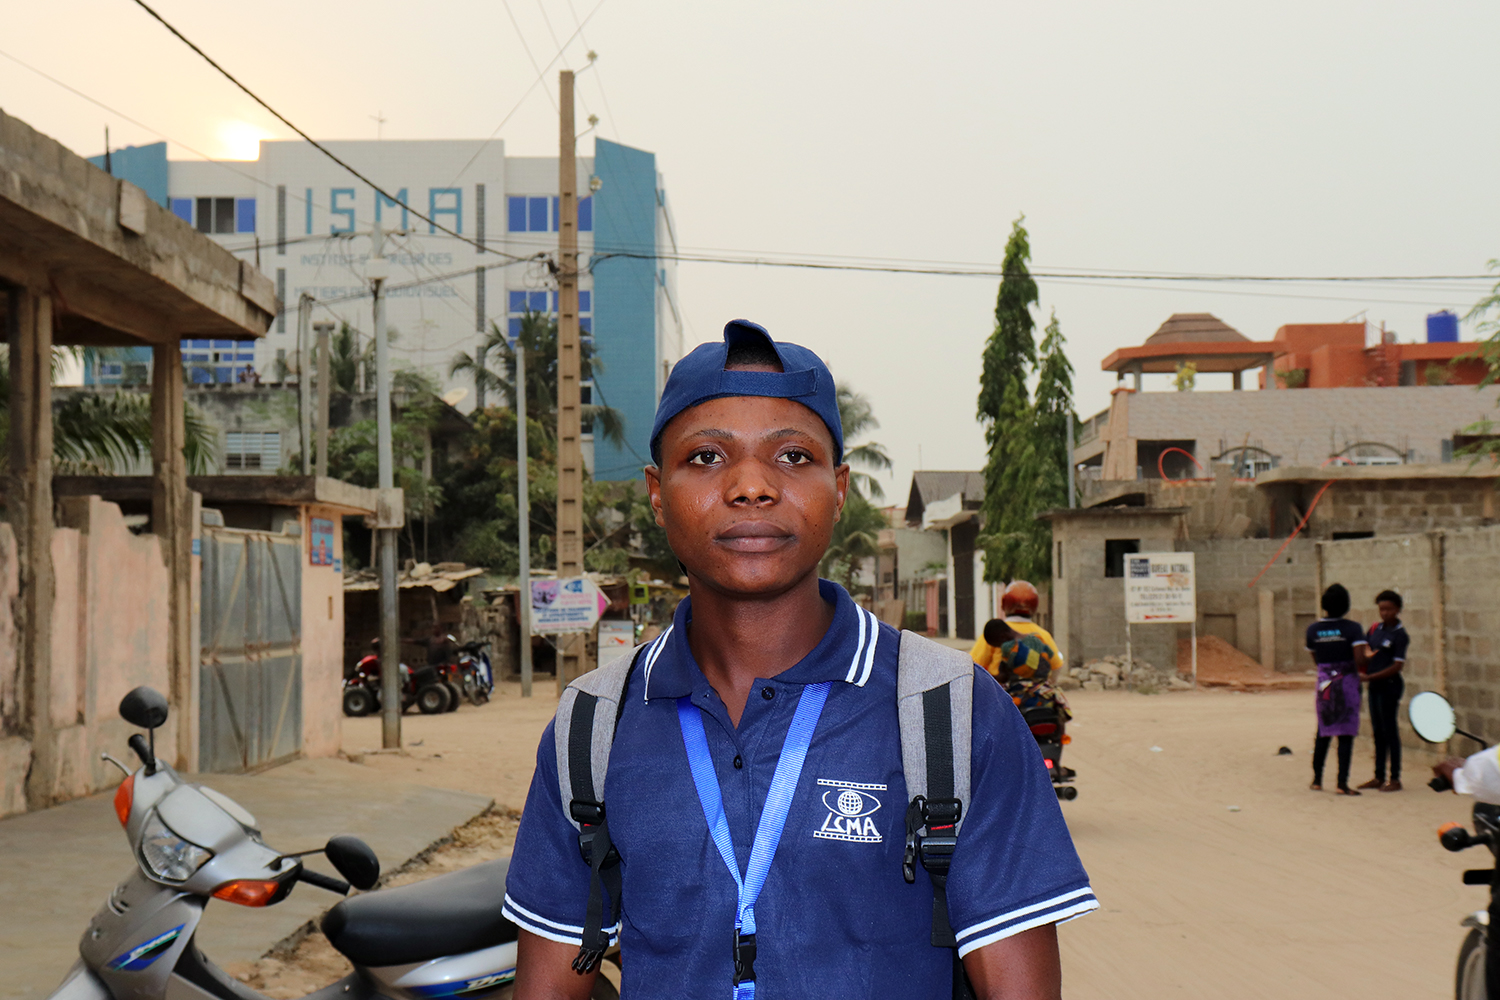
58,865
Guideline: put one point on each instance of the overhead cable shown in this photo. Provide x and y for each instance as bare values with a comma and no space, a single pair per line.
311,141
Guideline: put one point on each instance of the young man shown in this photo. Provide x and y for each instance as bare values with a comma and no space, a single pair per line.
1018,604
1384,685
748,482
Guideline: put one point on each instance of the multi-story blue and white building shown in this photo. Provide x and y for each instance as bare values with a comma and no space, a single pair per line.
306,222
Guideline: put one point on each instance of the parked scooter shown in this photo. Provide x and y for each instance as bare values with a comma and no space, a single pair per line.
444,937
1433,719
477,679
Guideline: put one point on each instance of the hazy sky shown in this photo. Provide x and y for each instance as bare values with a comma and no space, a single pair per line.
1271,138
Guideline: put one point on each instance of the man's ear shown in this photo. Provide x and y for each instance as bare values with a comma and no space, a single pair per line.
841,486
653,492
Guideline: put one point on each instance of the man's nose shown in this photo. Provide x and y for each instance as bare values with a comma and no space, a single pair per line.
751,484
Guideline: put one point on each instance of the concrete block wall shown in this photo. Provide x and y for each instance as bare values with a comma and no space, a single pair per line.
1305,426
1448,581
1089,608
1225,569
1399,506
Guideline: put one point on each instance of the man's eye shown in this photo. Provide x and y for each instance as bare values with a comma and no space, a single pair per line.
796,456
704,457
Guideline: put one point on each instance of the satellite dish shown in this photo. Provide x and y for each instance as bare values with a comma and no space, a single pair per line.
455,396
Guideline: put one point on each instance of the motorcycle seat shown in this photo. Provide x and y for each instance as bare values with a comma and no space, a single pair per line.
446,915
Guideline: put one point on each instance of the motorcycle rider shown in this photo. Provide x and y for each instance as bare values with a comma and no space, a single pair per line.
1018,604
1477,775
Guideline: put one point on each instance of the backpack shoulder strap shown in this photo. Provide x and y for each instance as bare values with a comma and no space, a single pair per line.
584,729
935,710
935,705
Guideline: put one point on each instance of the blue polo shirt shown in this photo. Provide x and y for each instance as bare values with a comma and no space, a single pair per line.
836,918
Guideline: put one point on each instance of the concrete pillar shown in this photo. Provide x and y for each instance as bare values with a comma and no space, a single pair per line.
171,520
1237,385
1136,371
29,335
1268,629
952,585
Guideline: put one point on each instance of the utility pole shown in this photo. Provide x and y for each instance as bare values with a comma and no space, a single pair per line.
389,509
523,507
325,391
571,646
304,379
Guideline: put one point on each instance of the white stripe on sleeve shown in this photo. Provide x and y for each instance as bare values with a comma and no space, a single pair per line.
1051,911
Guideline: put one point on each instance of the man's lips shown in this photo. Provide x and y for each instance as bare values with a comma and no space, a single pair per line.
753,536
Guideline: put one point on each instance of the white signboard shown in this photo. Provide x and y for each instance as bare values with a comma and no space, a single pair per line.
565,605
616,638
1160,588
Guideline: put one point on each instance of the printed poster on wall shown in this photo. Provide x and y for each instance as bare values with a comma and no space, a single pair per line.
320,542
1160,588
565,605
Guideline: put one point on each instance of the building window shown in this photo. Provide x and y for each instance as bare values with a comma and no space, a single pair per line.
1115,551
252,450
538,214
216,361
217,215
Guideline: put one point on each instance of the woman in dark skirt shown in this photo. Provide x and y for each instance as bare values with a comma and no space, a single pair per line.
1339,649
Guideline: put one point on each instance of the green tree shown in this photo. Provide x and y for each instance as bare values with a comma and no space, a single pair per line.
857,416
1486,318
1005,412
856,537
538,336
102,434
1050,415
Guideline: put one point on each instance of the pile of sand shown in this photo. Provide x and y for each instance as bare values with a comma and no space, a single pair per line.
1221,665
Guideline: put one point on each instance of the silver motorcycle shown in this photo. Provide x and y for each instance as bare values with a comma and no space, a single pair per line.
444,937
1478,973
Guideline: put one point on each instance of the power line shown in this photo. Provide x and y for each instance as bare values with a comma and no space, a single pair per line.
992,271
311,141
517,106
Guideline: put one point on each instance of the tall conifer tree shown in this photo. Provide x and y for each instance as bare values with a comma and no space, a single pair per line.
1054,402
1005,412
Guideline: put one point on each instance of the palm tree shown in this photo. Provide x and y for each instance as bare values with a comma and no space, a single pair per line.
95,434
856,537
857,416
538,336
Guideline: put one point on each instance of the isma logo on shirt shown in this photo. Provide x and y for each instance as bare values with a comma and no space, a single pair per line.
850,807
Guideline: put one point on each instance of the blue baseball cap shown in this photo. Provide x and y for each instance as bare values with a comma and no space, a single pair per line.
700,377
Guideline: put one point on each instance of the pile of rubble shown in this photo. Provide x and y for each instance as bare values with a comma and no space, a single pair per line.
1111,672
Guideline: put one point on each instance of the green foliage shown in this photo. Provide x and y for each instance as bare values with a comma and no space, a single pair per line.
856,537
1186,377
107,433
1293,378
857,416
538,337
1004,410
1027,468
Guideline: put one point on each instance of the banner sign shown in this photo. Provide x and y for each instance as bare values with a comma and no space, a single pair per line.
320,542
565,605
1160,588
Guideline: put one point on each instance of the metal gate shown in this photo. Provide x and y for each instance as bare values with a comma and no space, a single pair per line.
250,705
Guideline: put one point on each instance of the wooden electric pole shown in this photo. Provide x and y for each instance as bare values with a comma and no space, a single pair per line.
570,649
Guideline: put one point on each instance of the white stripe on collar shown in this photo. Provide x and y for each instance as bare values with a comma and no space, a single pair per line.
859,647
870,651
653,652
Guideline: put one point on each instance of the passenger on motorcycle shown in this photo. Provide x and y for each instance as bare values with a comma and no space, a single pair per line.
1024,665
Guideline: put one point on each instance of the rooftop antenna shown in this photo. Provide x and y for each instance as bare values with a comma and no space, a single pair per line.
379,119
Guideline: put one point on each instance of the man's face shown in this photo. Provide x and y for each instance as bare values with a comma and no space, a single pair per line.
1388,611
748,493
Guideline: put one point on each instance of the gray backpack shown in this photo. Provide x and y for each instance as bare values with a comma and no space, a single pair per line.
935,707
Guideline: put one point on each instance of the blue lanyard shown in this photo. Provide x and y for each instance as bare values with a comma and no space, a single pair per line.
772,816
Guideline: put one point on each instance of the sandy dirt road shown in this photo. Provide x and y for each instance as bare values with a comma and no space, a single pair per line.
1295,895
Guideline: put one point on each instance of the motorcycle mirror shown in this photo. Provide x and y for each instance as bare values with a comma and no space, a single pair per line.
354,860
1432,717
144,707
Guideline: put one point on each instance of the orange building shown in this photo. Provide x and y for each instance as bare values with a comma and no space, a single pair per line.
1334,356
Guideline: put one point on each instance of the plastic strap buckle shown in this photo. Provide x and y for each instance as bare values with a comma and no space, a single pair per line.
744,957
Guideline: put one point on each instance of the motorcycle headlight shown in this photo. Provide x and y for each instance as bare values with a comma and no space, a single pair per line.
168,855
